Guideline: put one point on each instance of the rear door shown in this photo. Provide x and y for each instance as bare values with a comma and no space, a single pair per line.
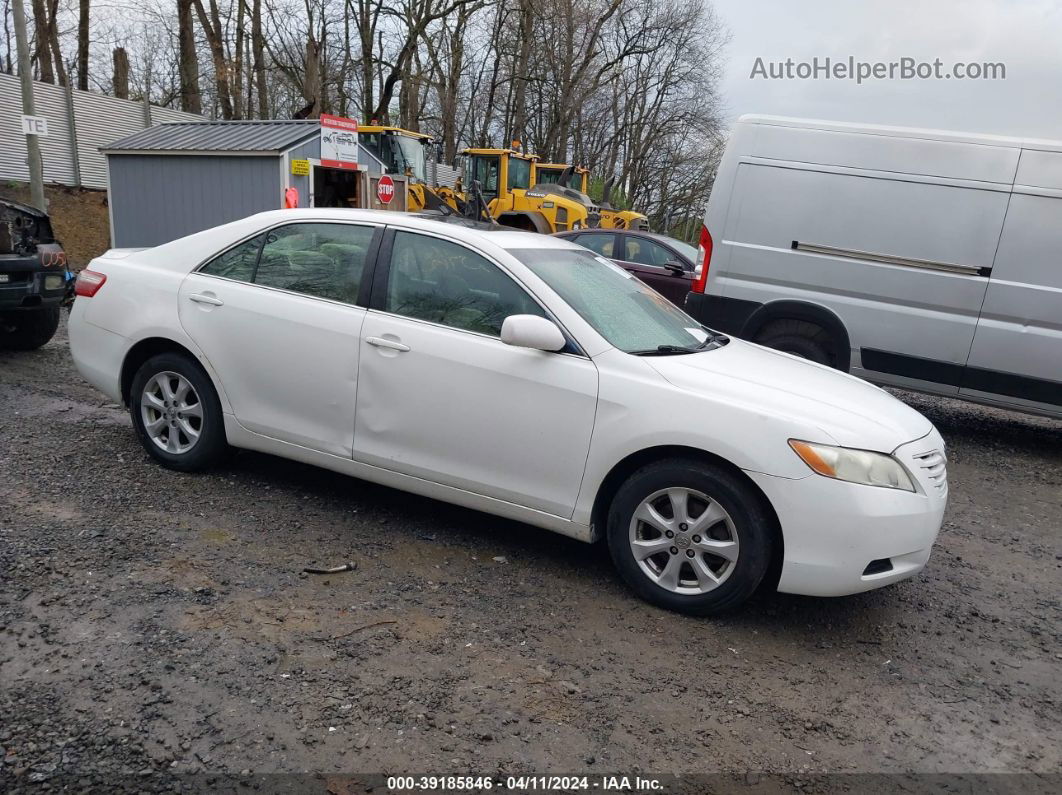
647,259
1017,350
278,318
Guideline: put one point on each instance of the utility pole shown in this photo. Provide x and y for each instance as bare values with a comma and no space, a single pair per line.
33,146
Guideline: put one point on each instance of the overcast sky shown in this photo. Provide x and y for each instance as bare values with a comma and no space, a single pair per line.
1026,35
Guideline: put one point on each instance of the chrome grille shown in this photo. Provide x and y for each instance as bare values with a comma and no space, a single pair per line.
935,466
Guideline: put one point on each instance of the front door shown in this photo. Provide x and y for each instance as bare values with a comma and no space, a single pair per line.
441,397
648,260
277,319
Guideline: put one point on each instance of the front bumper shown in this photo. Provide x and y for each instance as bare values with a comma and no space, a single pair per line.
833,531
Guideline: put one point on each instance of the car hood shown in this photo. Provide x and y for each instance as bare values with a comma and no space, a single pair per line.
851,412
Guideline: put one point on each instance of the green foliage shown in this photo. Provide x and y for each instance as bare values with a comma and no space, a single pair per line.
618,198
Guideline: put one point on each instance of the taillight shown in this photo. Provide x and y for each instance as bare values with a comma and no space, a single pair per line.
704,253
88,283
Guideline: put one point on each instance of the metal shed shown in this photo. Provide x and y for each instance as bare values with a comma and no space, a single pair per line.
175,179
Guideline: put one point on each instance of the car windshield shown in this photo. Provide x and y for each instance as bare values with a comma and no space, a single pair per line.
621,308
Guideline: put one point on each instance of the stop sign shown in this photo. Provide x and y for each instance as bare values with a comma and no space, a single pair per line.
385,190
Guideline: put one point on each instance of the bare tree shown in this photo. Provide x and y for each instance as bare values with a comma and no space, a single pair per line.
120,79
188,63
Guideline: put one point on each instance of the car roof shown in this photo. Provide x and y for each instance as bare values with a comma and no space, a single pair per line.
457,226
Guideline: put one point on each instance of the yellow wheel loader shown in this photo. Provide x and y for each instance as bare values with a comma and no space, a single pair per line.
405,153
565,175
505,177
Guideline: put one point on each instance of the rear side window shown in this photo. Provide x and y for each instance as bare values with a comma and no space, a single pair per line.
322,260
442,282
603,244
236,263
646,252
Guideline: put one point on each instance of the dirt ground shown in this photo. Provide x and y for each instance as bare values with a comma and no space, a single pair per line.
159,623
80,218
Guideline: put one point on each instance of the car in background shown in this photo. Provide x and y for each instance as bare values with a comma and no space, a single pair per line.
664,263
33,277
521,375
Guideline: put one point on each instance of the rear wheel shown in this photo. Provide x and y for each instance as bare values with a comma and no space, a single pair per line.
800,338
690,536
177,414
28,329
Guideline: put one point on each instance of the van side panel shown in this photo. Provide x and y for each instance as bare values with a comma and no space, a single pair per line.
1017,351
905,309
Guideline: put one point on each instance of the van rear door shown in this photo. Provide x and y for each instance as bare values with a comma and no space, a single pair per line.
1017,350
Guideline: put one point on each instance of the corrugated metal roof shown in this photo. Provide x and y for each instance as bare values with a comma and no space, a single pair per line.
218,136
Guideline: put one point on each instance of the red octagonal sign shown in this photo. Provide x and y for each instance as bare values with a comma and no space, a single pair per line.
385,190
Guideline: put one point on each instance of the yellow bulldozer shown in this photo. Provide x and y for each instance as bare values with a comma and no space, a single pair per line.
565,175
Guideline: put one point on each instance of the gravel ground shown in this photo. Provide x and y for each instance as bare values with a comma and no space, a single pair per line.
159,623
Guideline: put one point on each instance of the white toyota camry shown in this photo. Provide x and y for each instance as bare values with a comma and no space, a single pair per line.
521,375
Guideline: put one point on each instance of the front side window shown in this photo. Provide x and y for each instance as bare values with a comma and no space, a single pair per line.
442,282
620,308
603,244
238,262
519,173
322,260
646,252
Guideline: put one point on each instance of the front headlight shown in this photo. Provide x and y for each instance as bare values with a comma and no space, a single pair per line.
855,466
577,225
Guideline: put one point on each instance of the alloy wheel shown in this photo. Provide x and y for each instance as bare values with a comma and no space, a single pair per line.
171,412
684,541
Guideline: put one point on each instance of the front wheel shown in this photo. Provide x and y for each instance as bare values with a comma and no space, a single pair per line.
177,414
690,536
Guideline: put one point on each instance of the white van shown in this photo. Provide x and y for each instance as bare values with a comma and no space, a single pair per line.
915,258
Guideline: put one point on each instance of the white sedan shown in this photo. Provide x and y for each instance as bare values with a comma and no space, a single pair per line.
523,376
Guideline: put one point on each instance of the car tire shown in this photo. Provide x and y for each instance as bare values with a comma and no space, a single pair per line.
29,329
177,414
799,338
730,534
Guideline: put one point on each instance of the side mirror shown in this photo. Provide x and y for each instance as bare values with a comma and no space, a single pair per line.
532,331
675,267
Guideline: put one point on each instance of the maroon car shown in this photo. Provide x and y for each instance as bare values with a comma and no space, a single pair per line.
662,262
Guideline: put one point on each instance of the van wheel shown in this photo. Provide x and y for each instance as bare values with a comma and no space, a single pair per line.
690,536
177,414
800,338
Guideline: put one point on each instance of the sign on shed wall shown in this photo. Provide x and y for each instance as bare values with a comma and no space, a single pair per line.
339,142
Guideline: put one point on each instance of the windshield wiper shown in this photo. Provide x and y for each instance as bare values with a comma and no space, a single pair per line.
713,340
667,350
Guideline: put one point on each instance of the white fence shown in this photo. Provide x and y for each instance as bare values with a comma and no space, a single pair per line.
79,123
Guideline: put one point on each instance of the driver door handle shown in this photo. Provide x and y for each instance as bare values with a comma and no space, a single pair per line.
200,298
381,342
